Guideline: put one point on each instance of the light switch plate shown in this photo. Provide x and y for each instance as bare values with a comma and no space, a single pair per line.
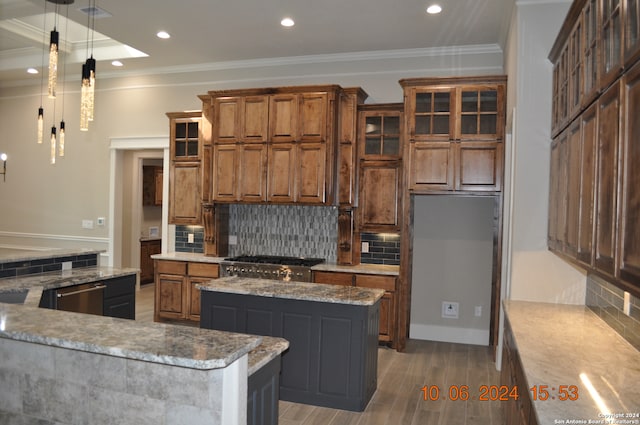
190,238
365,247
87,224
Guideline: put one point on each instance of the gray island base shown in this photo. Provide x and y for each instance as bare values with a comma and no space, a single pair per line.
332,332
71,368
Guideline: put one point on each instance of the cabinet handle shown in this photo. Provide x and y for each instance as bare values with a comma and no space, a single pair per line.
94,288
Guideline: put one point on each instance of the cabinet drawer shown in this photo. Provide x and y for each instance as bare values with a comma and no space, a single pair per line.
388,283
171,267
203,270
333,278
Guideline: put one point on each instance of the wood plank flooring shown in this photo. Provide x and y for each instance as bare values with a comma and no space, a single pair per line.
399,399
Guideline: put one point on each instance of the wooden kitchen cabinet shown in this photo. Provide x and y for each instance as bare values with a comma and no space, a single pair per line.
573,165
147,249
388,303
611,40
455,130
185,172
588,154
151,185
176,295
607,182
380,167
296,129
629,220
632,32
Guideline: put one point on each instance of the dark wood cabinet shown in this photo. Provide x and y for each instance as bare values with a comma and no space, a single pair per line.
455,128
629,221
176,295
380,197
607,180
147,249
151,185
598,122
120,297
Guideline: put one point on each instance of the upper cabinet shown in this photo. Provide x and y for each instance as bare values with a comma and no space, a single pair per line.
275,144
594,206
379,151
185,172
455,130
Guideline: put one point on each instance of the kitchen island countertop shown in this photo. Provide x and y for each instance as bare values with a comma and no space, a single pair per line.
303,291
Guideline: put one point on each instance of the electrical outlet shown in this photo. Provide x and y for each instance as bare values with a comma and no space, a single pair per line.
87,224
233,240
365,247
478,311
67,265
626,306
450,309
190,238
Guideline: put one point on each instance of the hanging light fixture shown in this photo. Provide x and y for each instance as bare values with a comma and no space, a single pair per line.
40,131
53,61
87,93
53,144
61,136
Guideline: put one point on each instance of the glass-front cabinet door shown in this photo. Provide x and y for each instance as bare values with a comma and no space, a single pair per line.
432,111
632,32
381,126
611,46
478,113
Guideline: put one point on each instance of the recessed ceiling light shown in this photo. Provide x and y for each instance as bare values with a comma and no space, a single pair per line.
434,9
163,34
117,63
32,71
287,22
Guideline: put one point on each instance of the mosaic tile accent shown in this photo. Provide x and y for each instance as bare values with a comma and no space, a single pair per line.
607,301
27,267
182,239
384,248
291,230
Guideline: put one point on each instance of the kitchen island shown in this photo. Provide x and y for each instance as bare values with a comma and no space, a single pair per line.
332,331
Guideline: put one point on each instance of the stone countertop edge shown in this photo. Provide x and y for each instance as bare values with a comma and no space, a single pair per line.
560,344
301,291
161,343
265,352
381,269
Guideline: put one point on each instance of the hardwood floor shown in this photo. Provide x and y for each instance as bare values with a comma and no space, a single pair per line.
401,377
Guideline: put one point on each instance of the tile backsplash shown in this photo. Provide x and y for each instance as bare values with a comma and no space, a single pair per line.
384,248
182,239
607,301
22,268
291,230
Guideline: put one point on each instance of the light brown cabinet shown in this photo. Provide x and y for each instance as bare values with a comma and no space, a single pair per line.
294,133
185,173
176,295
147,249
388,303
455,128
380,167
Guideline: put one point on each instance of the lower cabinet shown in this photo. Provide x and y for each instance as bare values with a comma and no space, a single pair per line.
263,394
147,249
520,411
388,303
333,349
176,296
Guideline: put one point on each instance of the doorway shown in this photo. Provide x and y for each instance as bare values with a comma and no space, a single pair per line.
128,156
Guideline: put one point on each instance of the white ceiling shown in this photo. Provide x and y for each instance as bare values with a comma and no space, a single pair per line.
213,31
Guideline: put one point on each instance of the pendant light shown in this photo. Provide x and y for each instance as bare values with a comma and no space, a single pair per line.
87,92
40,122
53,61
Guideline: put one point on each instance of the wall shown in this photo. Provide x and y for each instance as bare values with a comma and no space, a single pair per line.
536,274
452,261
44,205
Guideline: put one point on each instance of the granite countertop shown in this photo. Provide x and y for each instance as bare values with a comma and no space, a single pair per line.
265,352
304,291
562,344
183,346
360,268
330,267
36,283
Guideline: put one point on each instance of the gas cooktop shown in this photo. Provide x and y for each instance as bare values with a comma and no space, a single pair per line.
270,267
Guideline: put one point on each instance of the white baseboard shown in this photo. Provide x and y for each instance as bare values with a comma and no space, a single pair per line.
449,334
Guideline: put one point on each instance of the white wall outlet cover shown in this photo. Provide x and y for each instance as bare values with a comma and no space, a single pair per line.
87,224
190,238
450,309
233,240
365,247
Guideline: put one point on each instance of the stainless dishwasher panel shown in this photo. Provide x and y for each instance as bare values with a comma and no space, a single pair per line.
86,298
